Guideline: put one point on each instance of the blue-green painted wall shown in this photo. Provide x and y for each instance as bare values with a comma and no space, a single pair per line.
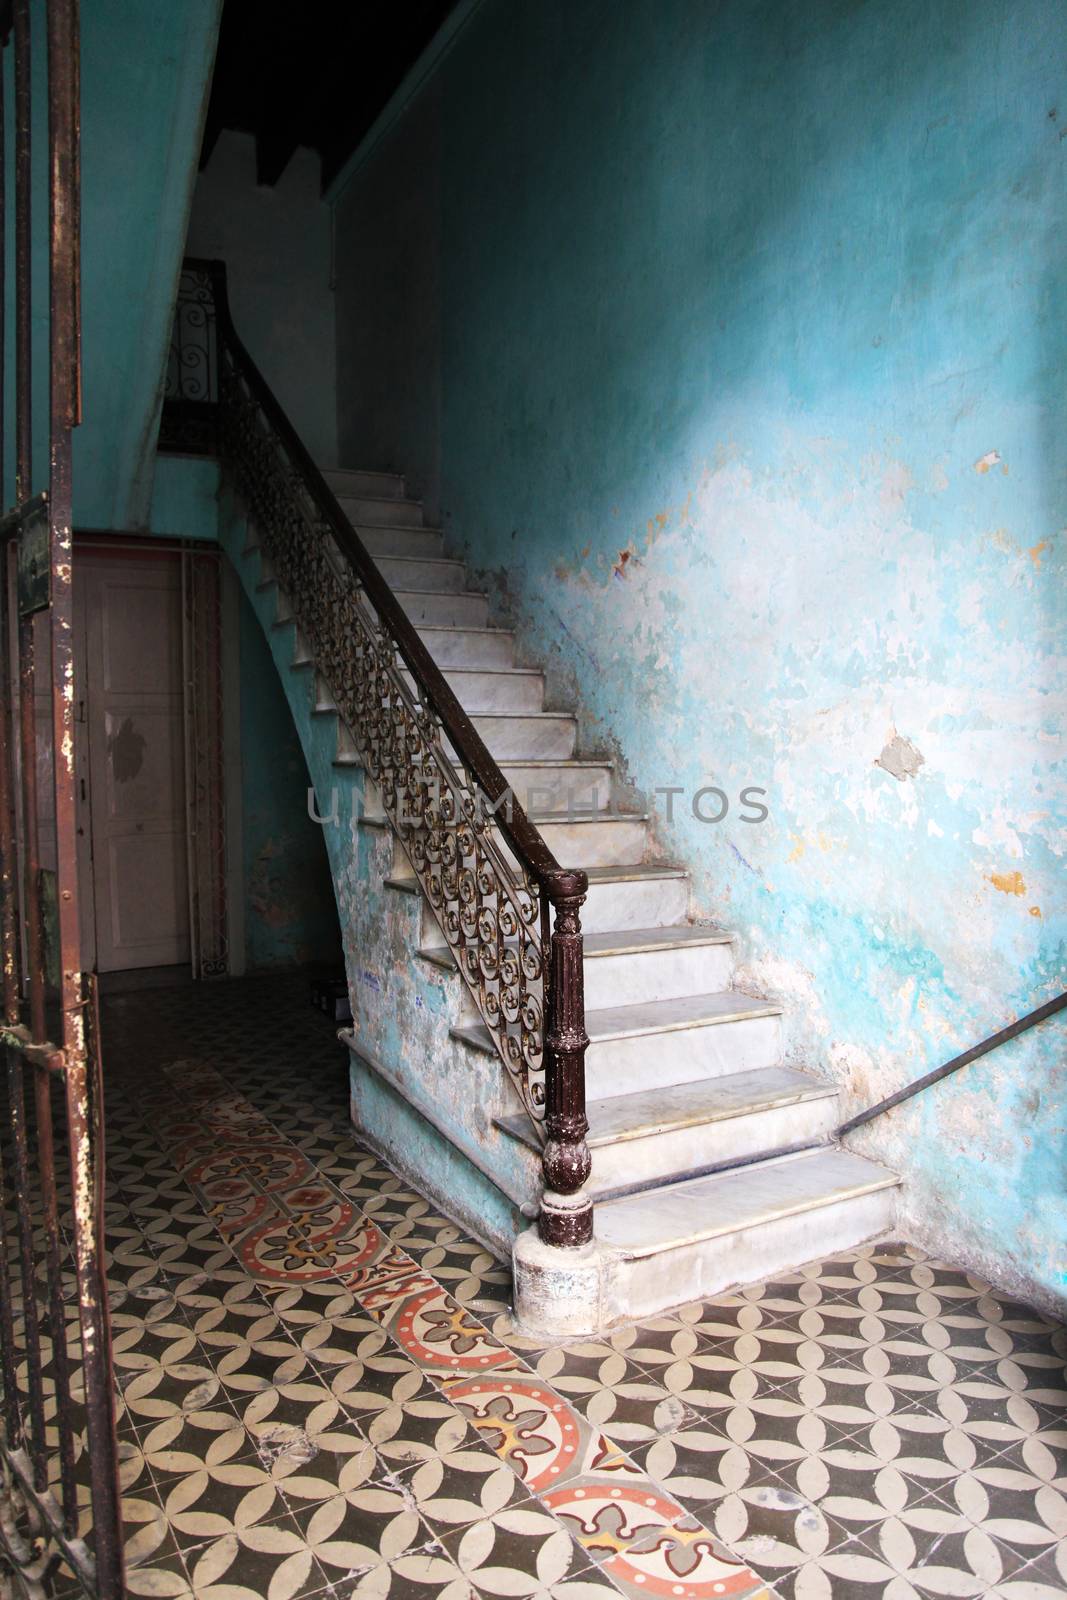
145,76
290,912
752,335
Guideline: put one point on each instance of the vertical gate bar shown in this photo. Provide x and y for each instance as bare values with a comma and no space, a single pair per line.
23,305
83,1076
27,734
12,1415
4,502
46,1171
8,931
27,1264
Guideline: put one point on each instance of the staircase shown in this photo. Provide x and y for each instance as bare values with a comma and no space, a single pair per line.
713,1161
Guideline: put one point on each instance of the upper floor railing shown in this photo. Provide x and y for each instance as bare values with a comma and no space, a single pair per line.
509,911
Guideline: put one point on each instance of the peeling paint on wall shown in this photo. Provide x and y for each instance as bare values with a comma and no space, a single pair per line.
899,757
768,370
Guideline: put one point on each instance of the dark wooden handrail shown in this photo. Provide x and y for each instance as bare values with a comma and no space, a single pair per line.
565,1218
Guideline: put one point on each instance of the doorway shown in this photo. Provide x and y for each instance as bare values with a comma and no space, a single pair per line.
130,753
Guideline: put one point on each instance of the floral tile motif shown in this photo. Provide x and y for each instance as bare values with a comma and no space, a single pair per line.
321,1242
646,1543
437,1332
324,1393
542,1439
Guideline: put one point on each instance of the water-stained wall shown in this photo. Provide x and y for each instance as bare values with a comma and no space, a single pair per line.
752,334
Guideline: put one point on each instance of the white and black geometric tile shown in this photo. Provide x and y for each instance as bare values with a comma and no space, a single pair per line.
323,1393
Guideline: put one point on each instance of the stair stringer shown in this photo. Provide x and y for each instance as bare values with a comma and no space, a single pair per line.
419,1096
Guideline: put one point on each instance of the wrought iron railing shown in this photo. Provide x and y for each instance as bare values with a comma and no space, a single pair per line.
60,1520
509,911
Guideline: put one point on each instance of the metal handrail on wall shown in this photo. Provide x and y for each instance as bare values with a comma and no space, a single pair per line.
517,934
995,1040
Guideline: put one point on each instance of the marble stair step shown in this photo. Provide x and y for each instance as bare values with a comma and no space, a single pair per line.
375,485
689,1240
597,840
642,964
553,785
507,690
592,840
647,896
642,1140
628,967
382,512
429,610
645,1138
427,544
537,736
468,648
667,1042
437,575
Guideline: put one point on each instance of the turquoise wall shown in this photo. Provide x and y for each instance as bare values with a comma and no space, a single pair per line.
290,912
145,75
752,333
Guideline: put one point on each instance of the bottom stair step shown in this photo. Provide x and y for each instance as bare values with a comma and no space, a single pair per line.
693,1239
644,1139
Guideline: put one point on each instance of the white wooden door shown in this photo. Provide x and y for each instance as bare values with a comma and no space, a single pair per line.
131,614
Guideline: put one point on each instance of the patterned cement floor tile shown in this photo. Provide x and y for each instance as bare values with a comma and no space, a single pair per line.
426,1574
646,1542
613,1392
416,1430
435,1331
934,1550
272,1560
531,1428
192,1440
384,1376
461,1485
219,1500
309,1470
1038,1580
329,1397
361,1528
521,1551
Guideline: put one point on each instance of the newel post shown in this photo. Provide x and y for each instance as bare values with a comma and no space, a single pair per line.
566,1216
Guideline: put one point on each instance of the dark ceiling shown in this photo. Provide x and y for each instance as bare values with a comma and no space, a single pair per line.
315,74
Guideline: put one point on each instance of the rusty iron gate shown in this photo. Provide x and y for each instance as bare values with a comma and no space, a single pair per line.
59,1495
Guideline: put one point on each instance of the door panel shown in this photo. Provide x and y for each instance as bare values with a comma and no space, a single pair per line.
134,720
